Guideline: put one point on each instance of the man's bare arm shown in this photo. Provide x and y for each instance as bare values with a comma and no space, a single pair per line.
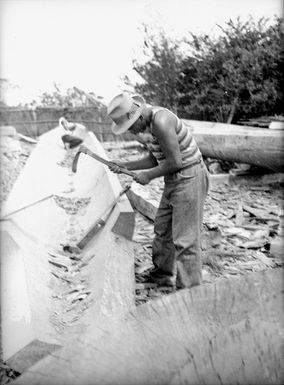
144,163
140,164
164,130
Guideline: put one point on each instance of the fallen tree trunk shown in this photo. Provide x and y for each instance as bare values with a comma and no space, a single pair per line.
257,146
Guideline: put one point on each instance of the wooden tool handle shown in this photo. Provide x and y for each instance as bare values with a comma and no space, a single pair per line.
100,222
4,217
123,170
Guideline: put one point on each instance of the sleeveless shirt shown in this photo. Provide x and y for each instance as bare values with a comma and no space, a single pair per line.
188,148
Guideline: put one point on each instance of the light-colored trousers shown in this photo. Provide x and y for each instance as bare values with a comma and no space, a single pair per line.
176,250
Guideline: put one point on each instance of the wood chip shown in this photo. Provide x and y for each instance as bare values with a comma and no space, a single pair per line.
239,215
58,263
261,214
257,244
144,286
237,231
59,275
78,288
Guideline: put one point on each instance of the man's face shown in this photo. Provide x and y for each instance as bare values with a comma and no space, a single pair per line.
138,126
138,129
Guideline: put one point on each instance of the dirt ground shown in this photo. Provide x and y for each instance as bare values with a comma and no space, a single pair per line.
240,223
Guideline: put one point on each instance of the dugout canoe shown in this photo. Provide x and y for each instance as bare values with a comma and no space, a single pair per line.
229,332
242,144
38,278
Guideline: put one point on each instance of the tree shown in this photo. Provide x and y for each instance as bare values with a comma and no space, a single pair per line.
160,73
237,75
72,97
240,71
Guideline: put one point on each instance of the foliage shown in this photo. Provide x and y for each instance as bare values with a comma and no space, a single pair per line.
161,72
72,97
238,74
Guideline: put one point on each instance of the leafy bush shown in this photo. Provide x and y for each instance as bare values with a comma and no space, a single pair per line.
237,75
72,97
161,72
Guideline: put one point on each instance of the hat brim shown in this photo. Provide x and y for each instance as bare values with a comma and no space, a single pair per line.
118,129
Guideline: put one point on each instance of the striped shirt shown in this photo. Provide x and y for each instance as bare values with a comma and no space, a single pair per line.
188,148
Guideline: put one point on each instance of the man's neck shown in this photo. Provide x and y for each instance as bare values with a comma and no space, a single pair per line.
148,113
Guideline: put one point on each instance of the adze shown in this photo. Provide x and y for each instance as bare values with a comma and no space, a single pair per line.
95,228
83,149
101,221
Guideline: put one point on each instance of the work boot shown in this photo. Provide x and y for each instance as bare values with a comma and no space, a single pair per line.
161,280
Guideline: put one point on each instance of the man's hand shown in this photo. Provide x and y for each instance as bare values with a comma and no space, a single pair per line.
142,177
116,168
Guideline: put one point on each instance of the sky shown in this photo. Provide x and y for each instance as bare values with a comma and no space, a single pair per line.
91,44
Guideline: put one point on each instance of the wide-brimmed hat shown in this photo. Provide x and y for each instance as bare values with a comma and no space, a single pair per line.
124,110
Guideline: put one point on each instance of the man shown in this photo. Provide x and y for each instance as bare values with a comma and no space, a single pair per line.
173,154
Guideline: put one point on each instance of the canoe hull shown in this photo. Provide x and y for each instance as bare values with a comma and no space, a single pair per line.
74,203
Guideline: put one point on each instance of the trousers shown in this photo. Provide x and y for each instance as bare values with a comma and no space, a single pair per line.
176,248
